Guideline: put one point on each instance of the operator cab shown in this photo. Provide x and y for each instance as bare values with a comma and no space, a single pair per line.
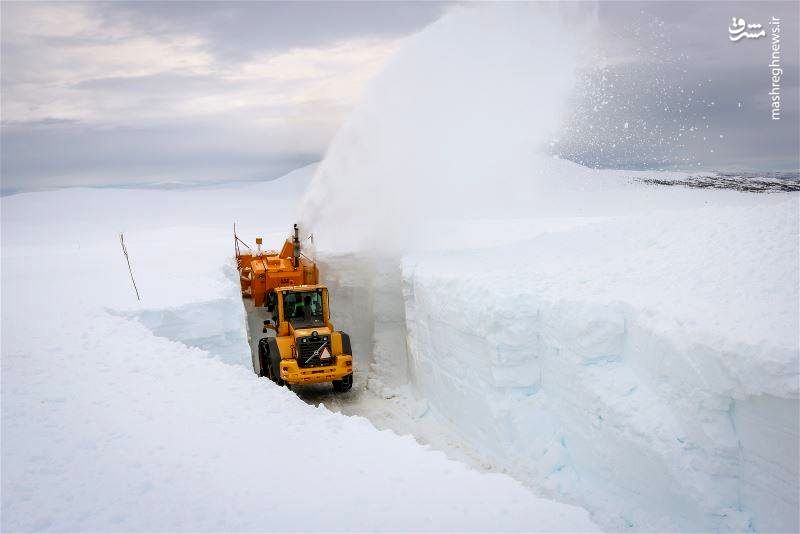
302,309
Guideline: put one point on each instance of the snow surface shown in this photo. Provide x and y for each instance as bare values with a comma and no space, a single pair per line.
625,346
126,416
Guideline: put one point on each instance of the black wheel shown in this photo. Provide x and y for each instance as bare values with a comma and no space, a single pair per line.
263,350
275,369
344,384
268,372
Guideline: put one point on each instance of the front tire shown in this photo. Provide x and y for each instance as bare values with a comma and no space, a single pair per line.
340,386
263,350
274,372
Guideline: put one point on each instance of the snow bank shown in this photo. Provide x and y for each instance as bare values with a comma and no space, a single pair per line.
120,416
646,367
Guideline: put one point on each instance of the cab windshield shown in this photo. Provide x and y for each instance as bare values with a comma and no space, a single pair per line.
303,308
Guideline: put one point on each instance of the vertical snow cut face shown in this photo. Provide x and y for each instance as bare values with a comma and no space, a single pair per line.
646,367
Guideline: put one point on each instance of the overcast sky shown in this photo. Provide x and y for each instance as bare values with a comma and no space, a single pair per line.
148,92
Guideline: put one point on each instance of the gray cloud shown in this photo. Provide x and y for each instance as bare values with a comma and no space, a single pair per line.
238,29
145,92
43,155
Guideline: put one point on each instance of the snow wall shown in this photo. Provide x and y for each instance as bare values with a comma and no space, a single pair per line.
628,348
655,385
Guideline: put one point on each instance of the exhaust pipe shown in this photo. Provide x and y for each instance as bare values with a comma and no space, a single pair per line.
296,243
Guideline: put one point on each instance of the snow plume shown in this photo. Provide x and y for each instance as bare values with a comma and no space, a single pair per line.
457,124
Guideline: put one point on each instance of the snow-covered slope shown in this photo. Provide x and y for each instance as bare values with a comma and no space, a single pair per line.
118,416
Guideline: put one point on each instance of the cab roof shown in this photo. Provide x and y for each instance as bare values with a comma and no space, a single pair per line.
301,288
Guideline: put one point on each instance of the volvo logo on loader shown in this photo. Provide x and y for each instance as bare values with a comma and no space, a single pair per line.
319,352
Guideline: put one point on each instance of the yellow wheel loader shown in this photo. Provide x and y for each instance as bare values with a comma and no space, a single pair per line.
292,339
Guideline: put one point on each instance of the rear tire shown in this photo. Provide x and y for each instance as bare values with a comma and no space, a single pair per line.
340,386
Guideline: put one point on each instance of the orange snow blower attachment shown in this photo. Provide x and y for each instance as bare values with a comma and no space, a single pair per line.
262,271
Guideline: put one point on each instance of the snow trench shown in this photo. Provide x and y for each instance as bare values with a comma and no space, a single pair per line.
597,385
367,300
